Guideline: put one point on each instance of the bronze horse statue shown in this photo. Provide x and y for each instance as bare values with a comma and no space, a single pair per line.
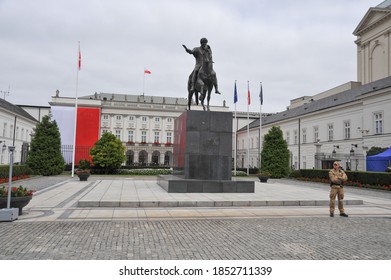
206,80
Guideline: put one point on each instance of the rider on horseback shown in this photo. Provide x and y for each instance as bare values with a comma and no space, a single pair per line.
201,54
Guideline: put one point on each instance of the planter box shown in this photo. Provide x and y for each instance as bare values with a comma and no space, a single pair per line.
16,202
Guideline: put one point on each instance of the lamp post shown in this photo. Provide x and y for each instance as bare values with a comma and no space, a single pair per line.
334,153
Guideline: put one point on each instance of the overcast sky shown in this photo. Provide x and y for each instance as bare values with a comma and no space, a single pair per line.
294,48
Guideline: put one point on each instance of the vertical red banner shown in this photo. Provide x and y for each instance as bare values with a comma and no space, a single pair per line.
87,132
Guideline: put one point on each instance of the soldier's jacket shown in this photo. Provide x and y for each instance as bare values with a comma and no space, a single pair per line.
337,177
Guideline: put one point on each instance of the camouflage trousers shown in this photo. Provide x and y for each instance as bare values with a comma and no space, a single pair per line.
336,191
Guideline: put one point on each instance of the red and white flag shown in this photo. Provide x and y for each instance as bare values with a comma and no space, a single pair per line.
248,94
147,71
79,60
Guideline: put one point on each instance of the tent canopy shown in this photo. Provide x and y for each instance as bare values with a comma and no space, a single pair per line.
379,162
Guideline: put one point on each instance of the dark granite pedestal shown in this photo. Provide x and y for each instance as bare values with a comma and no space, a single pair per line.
203,155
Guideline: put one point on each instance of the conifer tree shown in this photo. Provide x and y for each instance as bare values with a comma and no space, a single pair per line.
275,154
108,152
45,157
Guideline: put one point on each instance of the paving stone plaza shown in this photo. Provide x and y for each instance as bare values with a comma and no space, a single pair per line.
133,218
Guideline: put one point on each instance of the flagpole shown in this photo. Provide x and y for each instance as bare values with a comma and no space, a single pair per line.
76,105
260,126
235,129
248,128
144,82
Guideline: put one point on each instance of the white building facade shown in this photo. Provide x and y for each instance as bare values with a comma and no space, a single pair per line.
16,128
344,122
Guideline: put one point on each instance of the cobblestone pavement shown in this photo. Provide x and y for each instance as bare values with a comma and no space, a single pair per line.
262,238
310,234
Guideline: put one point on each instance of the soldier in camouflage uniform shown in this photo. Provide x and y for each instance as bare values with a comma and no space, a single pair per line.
337,178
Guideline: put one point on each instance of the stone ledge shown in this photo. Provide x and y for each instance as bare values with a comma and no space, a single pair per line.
175,184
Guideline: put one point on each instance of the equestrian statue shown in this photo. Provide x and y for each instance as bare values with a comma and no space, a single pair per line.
203,78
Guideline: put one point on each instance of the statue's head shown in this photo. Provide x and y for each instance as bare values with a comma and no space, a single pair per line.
204,41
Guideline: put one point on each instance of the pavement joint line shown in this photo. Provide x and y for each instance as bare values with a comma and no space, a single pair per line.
52,187
69,199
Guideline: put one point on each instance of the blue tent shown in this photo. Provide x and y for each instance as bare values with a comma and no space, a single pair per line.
379,162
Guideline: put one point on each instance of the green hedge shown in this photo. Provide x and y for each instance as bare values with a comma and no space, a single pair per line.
362,177
17,170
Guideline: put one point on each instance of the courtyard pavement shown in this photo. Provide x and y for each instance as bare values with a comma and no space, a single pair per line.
283,219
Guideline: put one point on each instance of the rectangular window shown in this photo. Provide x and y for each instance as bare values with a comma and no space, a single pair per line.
144,136
287,137
169,137
330,131
156,138
316,134
105,117
144,119
169,120
131,118
130,136
378,123
4,129
118,134
118,118
295,137
157,119
346,127
304,132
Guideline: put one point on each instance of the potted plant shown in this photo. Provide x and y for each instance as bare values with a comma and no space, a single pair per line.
263,176
20,197
83,172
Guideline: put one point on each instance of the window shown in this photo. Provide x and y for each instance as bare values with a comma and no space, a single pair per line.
169,137
130,136
316,133
131,118
105,117
295,137
304,132
169,120
156,138
4,129
346,127
378,123
11,131
144,119
118,134
287,137
144,136
157,119
118,118
330,132
105,131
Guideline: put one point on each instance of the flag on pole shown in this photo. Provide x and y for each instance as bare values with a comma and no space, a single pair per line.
79,60
249,96
261,95
147,71
235,94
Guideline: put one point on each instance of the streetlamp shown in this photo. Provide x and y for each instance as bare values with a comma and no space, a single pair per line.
334,153
351,150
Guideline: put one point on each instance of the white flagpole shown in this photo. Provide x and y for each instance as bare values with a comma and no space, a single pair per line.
76,105
144,81
260,126
248,128
235,130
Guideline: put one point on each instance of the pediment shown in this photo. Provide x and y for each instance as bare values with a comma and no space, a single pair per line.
373,17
